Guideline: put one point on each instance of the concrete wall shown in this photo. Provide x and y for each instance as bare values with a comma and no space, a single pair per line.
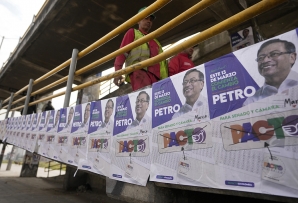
90,93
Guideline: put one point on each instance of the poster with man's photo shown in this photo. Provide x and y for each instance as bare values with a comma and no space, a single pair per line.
16,125
52,120
29,121
34,132
99,137
63,142
131,143
267,117
45,139
182,144
79,132
261,119
7,130
25,125
2,129
41,141
242,39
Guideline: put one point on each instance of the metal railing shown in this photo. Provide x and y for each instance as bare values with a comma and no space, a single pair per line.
227,24
50,167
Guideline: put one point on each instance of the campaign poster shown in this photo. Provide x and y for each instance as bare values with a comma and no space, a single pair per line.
29,123
79,132
23,130
8,129
12,130
99,137
16,133
182,142
2,129
63,142
52,119
131,141
11,127
41,147
259,132
242,38
34,132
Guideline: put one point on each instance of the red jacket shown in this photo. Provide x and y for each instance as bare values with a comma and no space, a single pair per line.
179,63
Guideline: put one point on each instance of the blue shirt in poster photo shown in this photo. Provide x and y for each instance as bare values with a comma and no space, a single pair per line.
66,115
95,116
42,121
165,102
77,119
123,114
51,115
228,85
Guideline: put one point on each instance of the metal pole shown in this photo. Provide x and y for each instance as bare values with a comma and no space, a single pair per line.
9,105
72,69
8,167
49,168
25,109
1,102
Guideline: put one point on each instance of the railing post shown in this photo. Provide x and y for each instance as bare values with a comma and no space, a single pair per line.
8,167
72,69
1,101
49,168
4,143
29,90
9,105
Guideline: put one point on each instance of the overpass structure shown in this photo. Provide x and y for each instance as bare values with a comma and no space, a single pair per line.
62,26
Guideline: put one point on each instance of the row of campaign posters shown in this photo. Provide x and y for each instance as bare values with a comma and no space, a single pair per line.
231,123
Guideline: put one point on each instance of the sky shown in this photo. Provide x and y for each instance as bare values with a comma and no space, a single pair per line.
15,17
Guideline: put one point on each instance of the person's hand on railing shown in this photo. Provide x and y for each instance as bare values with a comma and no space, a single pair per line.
119,81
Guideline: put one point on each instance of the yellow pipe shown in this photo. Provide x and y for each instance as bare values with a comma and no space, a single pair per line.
126,25
22,98
237,19
40,100
17,93
168,26
165,28
3,113
50,85
160,31
44,88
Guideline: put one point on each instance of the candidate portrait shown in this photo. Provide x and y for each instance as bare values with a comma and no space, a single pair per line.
275,59
192,86
141,118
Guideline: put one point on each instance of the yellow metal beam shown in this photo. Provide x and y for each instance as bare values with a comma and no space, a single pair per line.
227,24
160,31
40,100
120,29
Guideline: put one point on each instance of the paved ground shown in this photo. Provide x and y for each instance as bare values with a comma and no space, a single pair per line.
14,189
